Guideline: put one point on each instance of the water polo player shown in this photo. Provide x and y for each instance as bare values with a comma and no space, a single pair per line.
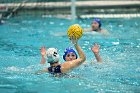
53,59
69,55
96,26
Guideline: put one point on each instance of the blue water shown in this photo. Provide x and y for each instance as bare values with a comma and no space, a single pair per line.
21,38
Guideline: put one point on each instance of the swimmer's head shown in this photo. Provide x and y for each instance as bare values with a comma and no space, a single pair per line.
96,24
52,55
69,54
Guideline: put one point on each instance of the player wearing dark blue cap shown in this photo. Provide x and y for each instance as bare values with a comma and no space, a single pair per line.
96,26
52,57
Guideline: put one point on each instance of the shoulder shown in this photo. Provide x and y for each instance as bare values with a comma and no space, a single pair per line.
46,69
105,32
87,29
68,65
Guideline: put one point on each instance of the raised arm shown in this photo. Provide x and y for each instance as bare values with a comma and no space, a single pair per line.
95,50
66,66
43,61
43,54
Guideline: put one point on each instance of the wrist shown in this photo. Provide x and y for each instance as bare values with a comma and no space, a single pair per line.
96,53
75,43
43,56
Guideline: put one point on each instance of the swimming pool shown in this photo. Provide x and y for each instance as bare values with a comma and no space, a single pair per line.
22,36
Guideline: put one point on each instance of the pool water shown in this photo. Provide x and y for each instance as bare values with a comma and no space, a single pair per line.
21,38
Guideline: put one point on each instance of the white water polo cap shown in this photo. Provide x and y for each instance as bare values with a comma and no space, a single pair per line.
52,55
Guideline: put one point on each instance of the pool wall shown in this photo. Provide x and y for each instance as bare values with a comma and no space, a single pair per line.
83,8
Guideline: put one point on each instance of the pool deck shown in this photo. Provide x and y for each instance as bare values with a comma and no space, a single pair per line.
82,7
80,4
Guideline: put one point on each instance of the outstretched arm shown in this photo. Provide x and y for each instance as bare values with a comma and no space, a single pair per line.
80,53
95,50
43,61
66,66
43,53
41,71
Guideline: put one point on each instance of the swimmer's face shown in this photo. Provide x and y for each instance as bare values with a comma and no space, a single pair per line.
94,25
70,56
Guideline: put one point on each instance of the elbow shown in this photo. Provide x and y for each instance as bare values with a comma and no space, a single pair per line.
84,58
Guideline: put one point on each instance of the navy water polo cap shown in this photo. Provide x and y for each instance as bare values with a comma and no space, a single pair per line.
98,21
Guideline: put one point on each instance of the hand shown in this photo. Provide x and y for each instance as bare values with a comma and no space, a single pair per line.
95,48
43,51
73,40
